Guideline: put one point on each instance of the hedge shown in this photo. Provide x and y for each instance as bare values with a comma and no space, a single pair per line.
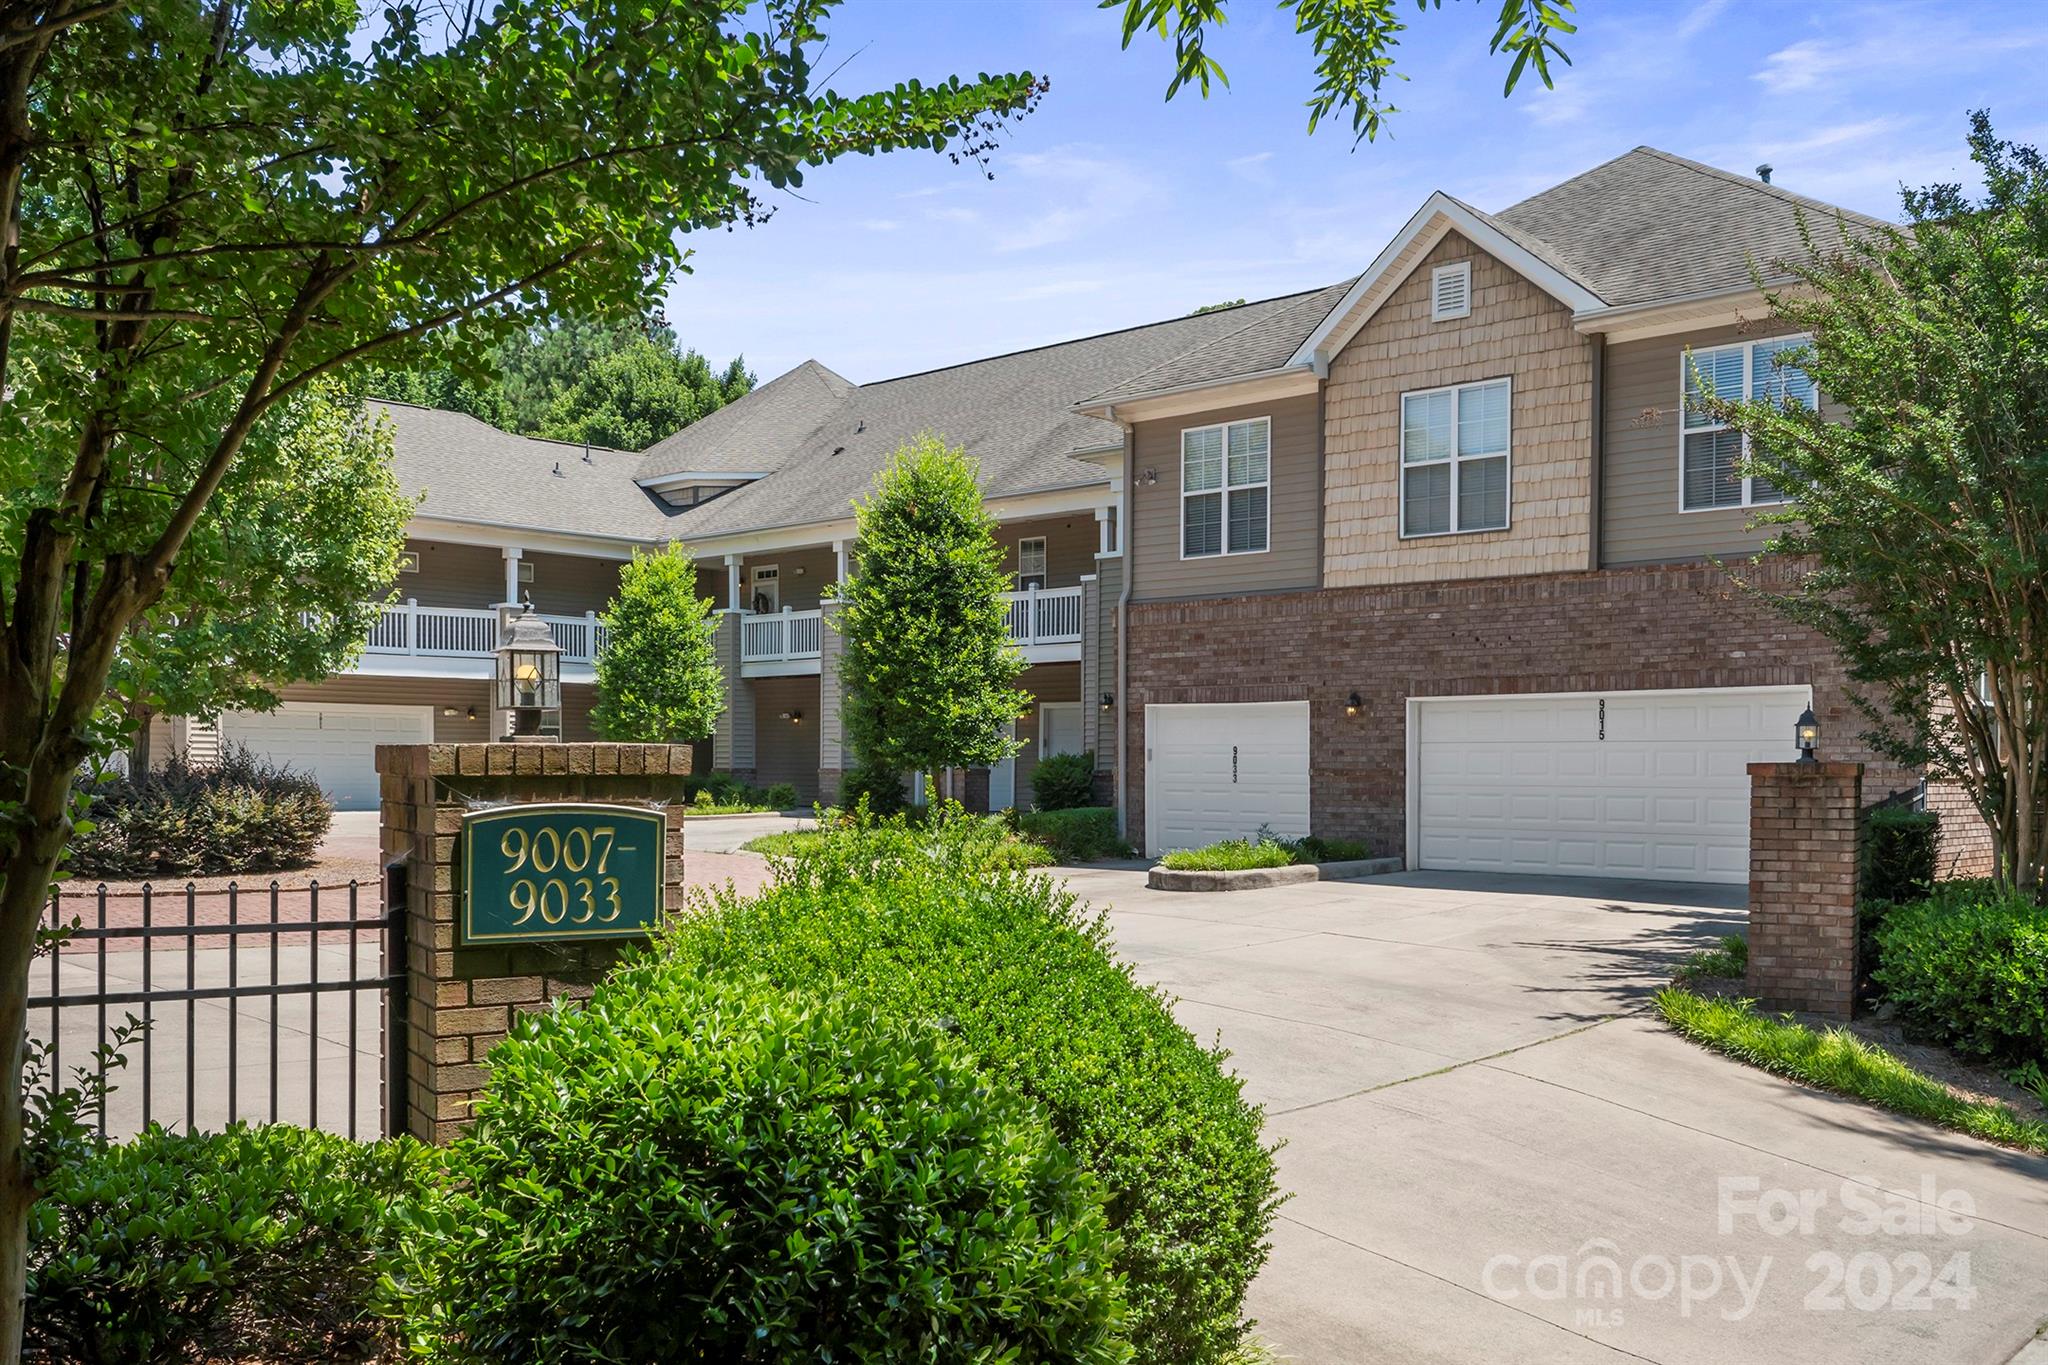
1968,967
239,814
1063,781
721,1170
1078,835
914,925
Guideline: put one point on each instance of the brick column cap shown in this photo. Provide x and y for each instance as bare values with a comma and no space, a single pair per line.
1825,768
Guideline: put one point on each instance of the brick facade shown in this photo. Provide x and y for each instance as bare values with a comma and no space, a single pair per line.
1805,828
1673,626
462,1000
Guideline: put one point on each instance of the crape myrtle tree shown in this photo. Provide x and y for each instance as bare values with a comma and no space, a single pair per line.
928,664
657,675
283,577
206,209
1923,506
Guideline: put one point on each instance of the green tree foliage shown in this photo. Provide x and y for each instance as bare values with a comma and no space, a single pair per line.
657,675
626,385
1355,42
1924,508
206,210
929,666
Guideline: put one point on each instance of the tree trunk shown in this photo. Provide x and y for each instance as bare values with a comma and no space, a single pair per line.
141,755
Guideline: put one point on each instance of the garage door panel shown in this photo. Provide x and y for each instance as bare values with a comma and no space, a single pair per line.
1195,794
1530,785
334,743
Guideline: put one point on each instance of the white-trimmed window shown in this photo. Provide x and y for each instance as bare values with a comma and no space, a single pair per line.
1450,291
1031,562
409,561
1454,459
1710,452
1225,480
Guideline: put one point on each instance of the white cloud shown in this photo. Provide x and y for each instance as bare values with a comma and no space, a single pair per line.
1072,190
1252,167
1702,16
1806,64
880,224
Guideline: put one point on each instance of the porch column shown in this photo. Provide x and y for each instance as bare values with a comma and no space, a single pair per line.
832,759
512,554
838,561
732,583
732,738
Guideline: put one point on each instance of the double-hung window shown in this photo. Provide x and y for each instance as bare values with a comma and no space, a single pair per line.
1225,479
1711,453
1454,459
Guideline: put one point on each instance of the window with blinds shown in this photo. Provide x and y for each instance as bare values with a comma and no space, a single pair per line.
1712,454
1225,484
1450,292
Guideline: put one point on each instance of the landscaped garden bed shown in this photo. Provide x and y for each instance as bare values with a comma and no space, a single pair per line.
1246,864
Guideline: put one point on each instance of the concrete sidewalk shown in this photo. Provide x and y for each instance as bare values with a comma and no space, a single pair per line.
1495,1154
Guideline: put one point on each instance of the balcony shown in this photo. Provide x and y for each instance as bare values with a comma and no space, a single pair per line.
1046,624
411,640
780,644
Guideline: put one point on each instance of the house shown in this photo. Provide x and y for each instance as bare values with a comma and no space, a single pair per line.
1426,557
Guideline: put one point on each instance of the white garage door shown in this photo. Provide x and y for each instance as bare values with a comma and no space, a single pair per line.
1620,784
336,743
1220,772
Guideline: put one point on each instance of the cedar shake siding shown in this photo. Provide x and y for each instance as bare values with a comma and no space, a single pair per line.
1680,626
1515,331
1640,520
1153,498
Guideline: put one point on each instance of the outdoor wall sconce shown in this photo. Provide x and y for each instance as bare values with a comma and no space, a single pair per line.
1353,704
794,717
1109,701
470,714
1806,731
448,711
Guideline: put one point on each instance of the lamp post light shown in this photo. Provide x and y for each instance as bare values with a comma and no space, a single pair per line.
1806,734
530,680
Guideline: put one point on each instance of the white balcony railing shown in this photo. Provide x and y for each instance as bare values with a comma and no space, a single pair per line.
1046,616
779,637
472,633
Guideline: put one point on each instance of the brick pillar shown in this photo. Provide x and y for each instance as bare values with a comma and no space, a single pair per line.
462,1000
732,738
1805,825
831,732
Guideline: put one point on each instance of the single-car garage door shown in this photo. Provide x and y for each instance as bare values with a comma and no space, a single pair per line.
1222,771
335,742
1615,784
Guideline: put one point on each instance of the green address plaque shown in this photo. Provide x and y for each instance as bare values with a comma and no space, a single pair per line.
545,873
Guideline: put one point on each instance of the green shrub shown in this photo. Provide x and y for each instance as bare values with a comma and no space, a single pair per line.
1231,855
1727,960
914,924
1078,835
704,800
239,814
1968,967
1899,853
781,796
1063,782
883,787
1314,848
262,1241
720,1170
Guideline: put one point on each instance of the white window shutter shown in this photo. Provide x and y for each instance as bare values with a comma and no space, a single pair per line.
1450,292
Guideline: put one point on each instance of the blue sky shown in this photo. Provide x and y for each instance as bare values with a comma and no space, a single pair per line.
1110,207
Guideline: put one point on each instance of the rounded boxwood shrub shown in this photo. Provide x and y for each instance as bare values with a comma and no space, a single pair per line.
1063,781
915,924
1968,967
687,1169
884,789
253,1243
242,813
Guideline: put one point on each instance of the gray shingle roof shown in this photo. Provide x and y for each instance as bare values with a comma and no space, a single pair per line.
774,417
1012,412
1266,341
1649,226
469,470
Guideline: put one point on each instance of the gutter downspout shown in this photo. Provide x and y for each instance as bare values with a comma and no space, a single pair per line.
1123,631
1598,473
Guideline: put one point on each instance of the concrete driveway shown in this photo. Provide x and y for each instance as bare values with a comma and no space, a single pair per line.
1494,1155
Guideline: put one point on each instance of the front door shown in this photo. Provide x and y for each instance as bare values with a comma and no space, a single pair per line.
767,595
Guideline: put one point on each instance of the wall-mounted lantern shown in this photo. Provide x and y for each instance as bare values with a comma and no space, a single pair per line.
1109,701
793,716
1353,704
1806,732
530,679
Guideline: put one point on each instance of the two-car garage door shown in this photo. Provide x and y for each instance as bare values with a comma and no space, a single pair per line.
1617,784
1650,784
335,742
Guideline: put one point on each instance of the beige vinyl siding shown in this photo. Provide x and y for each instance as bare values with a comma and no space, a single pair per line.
1070,544
1515,331
798,591
569,585
1098,661
786,751
442,694
1155,564
1639,518
1045,682
474,576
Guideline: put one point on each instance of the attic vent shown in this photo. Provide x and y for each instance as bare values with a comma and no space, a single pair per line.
1450,292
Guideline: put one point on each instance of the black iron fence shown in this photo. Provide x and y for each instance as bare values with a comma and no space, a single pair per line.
228,986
